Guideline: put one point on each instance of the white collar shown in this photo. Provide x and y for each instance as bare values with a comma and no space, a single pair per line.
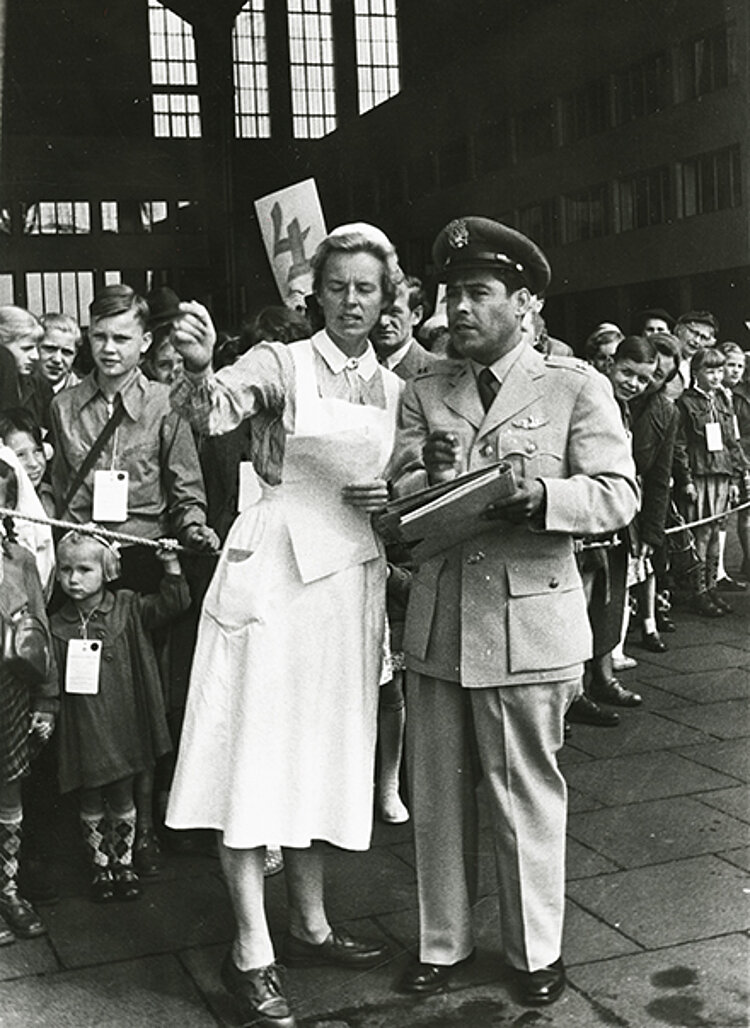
337,361
393,359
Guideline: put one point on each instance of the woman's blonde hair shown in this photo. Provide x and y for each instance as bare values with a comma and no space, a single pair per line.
359,237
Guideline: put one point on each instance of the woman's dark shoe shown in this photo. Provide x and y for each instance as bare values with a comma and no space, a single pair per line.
258,994
126,883
583,711
720,602
21,917
102,886
653,642
339,948
614,693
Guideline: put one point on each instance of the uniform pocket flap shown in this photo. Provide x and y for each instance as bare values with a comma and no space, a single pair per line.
532,578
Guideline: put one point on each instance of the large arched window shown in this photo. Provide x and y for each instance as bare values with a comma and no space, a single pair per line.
311,68
174,74
376,32
251,104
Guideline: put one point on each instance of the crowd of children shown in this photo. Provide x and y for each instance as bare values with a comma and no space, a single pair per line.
98,662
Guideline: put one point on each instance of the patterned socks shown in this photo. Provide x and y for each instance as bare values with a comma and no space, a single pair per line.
94,829
120,837
10,844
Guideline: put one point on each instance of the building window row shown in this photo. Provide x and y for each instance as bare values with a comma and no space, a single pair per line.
76,217
174,69
703,64
698,185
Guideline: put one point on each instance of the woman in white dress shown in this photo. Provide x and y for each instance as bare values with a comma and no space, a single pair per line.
279,736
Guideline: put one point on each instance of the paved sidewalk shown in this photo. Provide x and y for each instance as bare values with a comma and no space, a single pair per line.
658,891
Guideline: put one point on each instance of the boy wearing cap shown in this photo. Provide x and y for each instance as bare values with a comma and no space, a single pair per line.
496,630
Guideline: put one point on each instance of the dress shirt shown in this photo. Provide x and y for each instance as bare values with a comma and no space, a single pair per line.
152,443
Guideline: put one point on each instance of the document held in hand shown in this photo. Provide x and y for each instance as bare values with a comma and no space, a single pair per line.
444,514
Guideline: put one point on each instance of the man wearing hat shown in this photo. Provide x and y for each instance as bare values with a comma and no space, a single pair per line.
496,630
694,330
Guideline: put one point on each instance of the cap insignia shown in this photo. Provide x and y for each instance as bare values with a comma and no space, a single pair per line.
458,234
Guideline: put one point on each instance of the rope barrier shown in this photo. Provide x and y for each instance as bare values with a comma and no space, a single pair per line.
155,544
105,533
706,520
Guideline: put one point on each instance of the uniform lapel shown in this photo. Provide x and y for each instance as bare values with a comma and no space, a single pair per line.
463,398
520,388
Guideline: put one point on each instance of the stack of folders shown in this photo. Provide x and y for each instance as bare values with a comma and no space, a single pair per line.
437,518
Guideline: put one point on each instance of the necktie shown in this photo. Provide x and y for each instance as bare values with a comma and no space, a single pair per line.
488,387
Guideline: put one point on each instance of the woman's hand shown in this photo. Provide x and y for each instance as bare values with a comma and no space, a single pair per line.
194,335
734,494
644,550
691,492
368,496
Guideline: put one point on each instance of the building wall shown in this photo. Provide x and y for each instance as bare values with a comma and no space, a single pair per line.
482,125
460,140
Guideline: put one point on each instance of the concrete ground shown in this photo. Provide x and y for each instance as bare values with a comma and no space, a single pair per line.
658,891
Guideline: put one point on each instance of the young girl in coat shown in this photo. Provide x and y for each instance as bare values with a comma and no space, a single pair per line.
27,717
112,718
708,466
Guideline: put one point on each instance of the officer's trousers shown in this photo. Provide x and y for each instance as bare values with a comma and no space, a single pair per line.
510,736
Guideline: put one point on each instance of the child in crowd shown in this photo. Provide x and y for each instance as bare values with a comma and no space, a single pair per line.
144,477
737,392
20,432
58,350
112,720
708,466
20,335
29,703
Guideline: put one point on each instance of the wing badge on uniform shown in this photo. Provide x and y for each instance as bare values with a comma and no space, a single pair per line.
532,421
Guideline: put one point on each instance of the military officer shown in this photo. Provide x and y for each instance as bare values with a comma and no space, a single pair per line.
496,631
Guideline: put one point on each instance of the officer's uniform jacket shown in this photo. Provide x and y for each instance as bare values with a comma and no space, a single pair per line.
507,606
415,361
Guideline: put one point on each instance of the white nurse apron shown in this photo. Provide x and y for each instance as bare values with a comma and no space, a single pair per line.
279,735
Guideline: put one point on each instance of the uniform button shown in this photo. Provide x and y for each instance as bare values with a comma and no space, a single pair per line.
553,583
109,656
530,446
487,450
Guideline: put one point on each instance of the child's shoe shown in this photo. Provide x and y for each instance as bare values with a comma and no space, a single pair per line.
126,883
6,935
21,917
147,858
102,886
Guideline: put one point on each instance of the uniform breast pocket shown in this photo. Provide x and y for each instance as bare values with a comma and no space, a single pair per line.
532,450
548,623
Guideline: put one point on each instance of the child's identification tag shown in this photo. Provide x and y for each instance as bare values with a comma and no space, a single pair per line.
248,489
82,666
110,496
713,437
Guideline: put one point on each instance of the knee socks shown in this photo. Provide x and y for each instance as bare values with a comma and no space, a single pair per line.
10,844
121,836
94,830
